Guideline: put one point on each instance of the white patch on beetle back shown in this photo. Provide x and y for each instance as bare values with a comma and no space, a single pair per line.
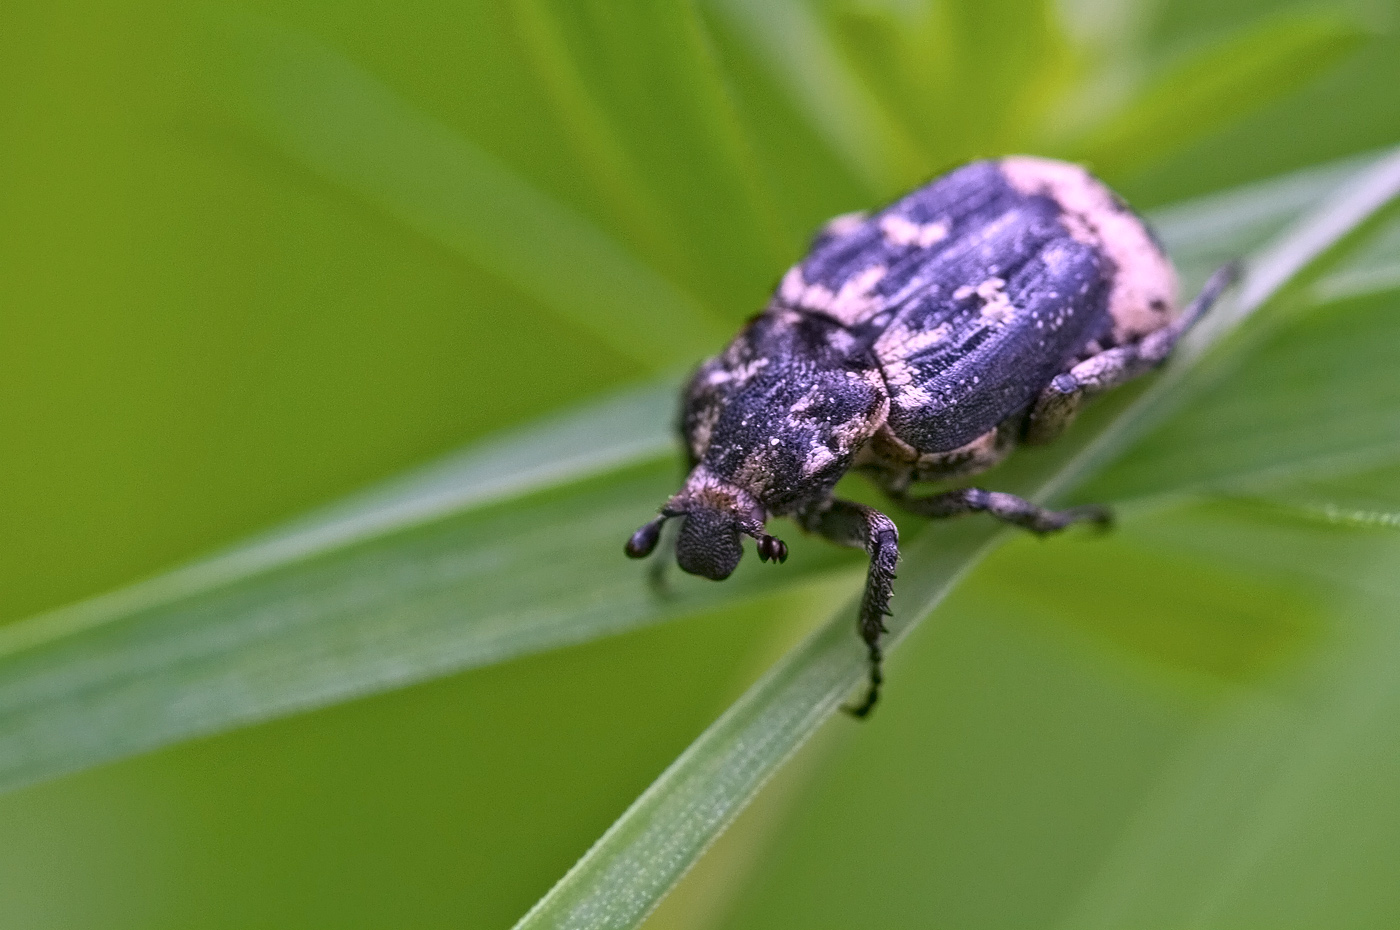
911,397
818,457
829,440
997,306
1144,293
840,340
806,401
844,224
793,286
903,381
740,374
853,304
900,231
899,342
703,429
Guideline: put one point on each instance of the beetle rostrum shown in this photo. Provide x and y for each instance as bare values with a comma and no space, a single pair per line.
921,343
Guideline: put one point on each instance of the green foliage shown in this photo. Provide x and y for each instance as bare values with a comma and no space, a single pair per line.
1184,722
1218,84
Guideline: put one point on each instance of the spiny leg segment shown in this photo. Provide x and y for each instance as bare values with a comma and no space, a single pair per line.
860,527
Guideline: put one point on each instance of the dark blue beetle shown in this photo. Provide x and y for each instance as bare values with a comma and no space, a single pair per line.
921,343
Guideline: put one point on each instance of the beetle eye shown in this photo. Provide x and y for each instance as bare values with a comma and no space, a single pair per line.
772,549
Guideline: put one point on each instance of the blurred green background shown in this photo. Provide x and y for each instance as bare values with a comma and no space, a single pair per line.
211,322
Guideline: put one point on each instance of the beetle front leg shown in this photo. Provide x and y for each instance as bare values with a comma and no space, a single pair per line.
1058,404
860,527
1005,507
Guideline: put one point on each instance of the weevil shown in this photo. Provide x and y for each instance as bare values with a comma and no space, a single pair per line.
921,343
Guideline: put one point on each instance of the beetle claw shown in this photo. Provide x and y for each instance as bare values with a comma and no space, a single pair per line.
772,549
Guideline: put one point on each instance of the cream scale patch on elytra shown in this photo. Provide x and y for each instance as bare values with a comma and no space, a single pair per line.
921,342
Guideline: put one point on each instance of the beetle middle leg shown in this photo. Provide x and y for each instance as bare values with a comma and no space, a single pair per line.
1005,507
860,527
1058,404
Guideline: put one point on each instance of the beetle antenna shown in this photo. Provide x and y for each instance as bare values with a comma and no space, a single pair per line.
642,542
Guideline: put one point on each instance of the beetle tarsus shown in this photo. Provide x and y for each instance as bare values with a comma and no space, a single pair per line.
772,549
1215,285
872,689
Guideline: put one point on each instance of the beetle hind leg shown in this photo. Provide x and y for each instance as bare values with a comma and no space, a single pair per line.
1005,507
860,527
1058,404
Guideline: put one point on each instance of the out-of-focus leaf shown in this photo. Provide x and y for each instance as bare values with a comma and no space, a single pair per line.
1320,397
921,59
1278,811
1365,500
610,167
1205,233
789,35
640,85
1375,269
648,849
340,123
1218,84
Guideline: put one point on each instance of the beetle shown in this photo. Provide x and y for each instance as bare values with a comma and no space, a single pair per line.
921,343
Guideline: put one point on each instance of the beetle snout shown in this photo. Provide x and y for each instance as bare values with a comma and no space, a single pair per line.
709,544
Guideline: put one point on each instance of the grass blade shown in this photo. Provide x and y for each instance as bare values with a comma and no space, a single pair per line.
1220,84
650,847
807,63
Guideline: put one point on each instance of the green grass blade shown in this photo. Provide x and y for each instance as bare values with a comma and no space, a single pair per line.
1206,232
339,122
626,429
650,847
790,36
1220,84
651,110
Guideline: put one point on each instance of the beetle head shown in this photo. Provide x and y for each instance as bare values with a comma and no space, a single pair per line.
714,519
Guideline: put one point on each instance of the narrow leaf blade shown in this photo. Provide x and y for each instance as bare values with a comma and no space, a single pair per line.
1218,84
